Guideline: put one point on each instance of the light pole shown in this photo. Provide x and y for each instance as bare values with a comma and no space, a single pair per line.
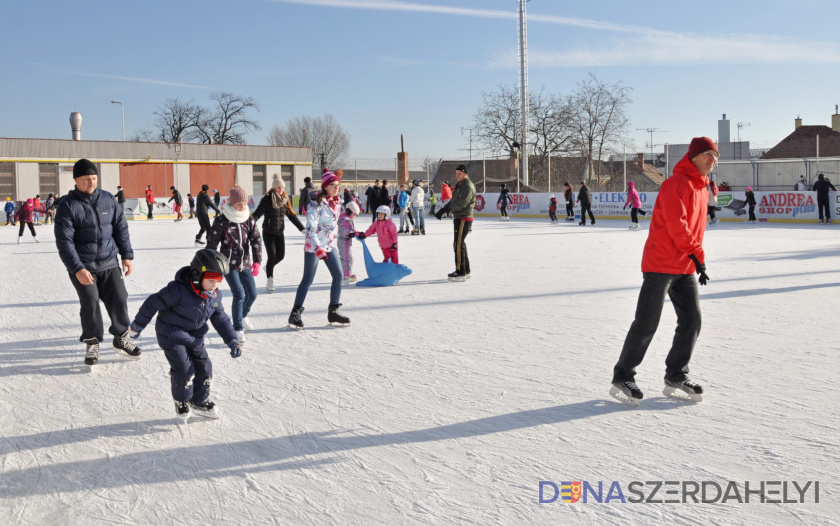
122,110
549,171
523,86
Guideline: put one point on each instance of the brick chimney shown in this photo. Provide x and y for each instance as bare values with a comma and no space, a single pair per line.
797,122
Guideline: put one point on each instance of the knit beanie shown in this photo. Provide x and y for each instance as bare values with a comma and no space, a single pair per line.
277,182
84,167
699,145
327,179
237,195
462,168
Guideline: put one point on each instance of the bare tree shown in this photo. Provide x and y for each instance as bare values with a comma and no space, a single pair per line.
599,118
323,134
176,120
228,120
142,135
496,121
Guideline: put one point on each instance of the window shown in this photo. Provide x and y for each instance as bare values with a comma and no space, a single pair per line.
47,179
287,172
7,181
259,179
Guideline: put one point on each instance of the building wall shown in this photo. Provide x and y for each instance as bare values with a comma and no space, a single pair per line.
181,173
28,182
244,178
109,177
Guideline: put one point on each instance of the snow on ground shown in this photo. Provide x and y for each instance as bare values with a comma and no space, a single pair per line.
443,403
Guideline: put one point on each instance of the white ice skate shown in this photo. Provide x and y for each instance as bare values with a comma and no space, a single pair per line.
626,393
240,337
247,325
269,285
686,391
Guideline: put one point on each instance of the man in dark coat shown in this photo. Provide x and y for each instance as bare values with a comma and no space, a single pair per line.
202,213
121,197
217,198
373,199
585,201
306,194
822,186
90,233
461,207
179,201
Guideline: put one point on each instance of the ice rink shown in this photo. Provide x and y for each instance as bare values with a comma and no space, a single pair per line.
442,403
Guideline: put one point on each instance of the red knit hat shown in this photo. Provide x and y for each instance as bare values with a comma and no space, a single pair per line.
327,179
699,145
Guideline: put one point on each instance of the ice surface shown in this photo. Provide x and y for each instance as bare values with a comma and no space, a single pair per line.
443,403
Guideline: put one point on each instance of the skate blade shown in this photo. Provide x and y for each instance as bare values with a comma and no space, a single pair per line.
126,355
619,395
295,327
339,324
678,394
211,415
458,279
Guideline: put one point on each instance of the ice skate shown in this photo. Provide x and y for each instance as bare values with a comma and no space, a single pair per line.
206,409
182,410
269,285
92,353
294,318
246,324
334,316
124,345
240,337
353,278
20,238
38,240
686,390
626,393
422,231
345,282
457,276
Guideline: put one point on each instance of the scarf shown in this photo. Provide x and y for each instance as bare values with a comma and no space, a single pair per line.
234,215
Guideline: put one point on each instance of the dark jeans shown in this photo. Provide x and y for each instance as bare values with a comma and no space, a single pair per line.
584,208
310,266
190,370
204,225
244,292
822,204
462,261
683,291
275,248
151,207
711,210
108,286
570,210
32,228
752,212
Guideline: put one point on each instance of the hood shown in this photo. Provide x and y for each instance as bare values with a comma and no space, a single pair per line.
686,167
631,185
821,177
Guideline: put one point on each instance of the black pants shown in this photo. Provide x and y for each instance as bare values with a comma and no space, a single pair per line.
552,215
204,225
275,248
32,228
150,206
190,369
462,261
822,204
584,208
684,294
752,212
634,215
711,211
503,210
570,210
108,286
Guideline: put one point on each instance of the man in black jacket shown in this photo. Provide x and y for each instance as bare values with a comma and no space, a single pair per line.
585,201
90,232
373,199
217,198
822,187
203,202
120,197
179,201
305,195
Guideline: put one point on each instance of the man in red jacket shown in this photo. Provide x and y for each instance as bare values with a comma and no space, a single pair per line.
672,253
150,202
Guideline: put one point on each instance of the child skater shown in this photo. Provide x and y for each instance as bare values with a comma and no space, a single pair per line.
346,233
183,308
635,205
552,209
750,198
25,216
386,232
191,200
235,229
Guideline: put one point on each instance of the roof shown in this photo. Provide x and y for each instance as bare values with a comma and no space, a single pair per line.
802,143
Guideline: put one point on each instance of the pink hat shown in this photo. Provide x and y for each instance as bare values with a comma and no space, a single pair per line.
237,195
30,202
327,179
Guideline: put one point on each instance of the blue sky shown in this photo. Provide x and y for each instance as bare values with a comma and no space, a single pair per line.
386,67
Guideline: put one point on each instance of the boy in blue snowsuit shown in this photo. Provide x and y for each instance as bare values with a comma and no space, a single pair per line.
10,212
183,308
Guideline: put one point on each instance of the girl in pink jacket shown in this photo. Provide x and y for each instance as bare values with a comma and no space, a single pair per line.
386,232
635,205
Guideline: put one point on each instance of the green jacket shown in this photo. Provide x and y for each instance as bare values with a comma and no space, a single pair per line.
463,199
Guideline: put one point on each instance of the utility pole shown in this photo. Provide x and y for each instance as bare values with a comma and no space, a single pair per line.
462,134
523,87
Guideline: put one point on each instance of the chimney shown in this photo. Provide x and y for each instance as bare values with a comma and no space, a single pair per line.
723,130
640,159
76,125
797,123
835,120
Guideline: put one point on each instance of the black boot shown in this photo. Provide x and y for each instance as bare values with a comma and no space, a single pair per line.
294,317
336,317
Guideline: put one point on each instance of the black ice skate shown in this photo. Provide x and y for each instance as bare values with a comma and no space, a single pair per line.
126,347
333,316
457,276
294,317
182,409
685,390
206,409
92,353
627,393
422,231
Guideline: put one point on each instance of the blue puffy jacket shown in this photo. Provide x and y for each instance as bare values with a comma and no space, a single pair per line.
90,231
402,200
182,314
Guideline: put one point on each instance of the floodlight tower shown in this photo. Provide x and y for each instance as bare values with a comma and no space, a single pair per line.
523,86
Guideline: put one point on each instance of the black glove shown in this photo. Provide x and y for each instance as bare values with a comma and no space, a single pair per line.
351,235
700,268
624,207
235,349
394,246
360,235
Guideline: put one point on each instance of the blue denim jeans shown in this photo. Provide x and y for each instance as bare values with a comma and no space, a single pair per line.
244,290
310,265
418,217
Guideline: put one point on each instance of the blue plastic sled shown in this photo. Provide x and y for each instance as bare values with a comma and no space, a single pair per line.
381,274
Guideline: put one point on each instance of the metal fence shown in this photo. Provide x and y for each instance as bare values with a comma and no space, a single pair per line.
781,174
